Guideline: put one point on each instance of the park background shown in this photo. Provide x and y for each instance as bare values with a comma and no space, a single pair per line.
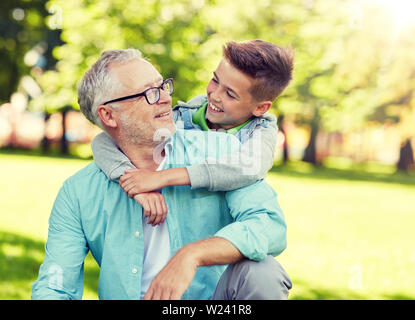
344,169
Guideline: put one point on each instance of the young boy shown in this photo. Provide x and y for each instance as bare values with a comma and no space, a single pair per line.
251,75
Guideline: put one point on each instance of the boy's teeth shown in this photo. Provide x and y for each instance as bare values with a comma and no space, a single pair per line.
215,108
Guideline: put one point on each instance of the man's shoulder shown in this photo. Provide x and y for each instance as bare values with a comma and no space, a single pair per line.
86,175
257,193
90,169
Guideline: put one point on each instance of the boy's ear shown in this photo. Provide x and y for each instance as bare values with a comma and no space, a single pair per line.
261,108
106,114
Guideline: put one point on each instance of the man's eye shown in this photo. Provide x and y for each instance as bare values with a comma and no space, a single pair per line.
214,80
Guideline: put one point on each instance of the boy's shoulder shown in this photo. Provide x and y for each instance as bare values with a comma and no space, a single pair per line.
269,117
183,112
194,103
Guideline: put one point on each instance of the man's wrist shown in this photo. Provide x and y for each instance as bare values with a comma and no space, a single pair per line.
191,254
211,251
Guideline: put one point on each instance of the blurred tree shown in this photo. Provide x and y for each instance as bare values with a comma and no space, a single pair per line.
167,32
377,77
397,93
317,42
25,42
186,42
406,157
345,74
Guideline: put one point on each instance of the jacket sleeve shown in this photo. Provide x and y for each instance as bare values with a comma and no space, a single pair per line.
194,103
109,158
259,228
249,164
62,273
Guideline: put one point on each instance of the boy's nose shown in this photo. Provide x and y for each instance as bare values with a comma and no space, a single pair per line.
215,95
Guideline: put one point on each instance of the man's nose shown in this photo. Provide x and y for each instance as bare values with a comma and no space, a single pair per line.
165,97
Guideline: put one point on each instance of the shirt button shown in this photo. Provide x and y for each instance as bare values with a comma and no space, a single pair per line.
137,234
134,270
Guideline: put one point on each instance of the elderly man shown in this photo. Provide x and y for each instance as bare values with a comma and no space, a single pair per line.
238,230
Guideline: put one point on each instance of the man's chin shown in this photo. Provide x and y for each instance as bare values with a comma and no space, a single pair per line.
164,133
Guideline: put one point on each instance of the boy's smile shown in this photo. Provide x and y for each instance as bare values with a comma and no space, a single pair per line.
214,109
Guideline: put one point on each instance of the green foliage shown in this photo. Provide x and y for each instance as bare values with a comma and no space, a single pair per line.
22,27
167,32
352,66
184,39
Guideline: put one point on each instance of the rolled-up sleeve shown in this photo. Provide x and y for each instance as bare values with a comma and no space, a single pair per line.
61,274
259,228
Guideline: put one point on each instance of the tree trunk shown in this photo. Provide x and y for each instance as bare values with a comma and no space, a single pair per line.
406,157
45,143
64,141
13,78
280,122
310,151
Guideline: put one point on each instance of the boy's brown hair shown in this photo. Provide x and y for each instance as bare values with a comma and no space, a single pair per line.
269,65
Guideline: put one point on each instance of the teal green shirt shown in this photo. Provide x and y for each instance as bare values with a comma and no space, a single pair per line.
92,213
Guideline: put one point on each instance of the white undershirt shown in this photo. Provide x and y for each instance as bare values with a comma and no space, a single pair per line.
156,250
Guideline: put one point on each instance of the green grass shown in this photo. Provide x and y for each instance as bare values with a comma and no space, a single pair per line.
28,187
350,233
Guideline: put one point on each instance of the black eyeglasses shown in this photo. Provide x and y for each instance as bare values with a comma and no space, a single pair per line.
152,94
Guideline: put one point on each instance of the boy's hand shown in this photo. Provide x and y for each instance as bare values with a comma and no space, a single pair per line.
137,181
154,206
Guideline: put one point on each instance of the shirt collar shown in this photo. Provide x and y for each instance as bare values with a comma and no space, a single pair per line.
165,146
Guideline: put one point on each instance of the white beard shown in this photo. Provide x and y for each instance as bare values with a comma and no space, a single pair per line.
144,133
136,133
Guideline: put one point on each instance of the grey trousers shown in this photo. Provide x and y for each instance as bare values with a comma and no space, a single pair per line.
251,280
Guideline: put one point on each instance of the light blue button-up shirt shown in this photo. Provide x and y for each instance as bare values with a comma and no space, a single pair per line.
93,213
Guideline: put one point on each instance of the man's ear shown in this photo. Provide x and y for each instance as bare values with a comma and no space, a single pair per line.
261,108
106,114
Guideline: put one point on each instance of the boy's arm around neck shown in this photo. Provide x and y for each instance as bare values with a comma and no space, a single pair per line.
111,160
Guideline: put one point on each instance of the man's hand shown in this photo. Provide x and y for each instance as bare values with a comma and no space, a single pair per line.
137,181
154,206
174,279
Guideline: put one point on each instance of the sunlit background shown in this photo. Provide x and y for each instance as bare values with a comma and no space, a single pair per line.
344,169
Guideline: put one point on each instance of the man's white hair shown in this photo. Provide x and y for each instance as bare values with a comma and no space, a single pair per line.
98,84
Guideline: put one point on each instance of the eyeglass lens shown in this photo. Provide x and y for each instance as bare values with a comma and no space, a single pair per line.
153,95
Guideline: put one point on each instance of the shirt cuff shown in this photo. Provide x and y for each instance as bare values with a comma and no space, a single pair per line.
199,176
252,246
